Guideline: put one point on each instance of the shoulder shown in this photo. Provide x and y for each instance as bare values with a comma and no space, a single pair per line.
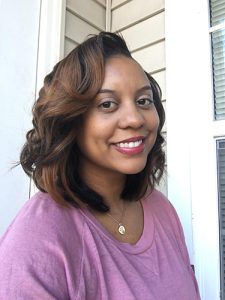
164,212
41,242
158,202
42,217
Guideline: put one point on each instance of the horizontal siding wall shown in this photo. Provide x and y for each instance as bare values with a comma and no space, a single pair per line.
141,23
82,18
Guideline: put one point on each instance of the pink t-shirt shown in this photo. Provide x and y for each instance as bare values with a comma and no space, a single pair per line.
51,252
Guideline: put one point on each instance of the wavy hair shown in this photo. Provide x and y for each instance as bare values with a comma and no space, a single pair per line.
50,155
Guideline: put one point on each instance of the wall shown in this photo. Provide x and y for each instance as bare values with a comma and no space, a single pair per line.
19,25
82,18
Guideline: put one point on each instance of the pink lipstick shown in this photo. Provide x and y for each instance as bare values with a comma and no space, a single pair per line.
131,146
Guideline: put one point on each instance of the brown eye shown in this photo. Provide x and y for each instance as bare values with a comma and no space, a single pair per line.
145,102
108,105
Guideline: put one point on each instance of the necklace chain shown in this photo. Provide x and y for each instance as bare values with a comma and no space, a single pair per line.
121,228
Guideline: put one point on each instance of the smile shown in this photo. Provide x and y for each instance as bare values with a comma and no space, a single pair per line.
130,144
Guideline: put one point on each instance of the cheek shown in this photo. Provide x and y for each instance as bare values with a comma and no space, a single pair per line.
154,121
157,121
91,133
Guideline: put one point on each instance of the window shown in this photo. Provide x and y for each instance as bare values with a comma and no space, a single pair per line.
221,187
217,30
217,21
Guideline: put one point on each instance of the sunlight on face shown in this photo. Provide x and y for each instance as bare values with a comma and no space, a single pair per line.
120,129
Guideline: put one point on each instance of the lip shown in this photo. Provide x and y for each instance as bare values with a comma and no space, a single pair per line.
134,150
133,139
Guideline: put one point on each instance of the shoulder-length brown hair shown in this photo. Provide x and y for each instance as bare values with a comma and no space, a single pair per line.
51,155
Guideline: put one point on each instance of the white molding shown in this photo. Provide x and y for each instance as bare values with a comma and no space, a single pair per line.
51,37
50,44
108,14
191,147
218,129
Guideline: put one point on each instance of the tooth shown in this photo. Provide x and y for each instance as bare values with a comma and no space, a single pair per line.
130,144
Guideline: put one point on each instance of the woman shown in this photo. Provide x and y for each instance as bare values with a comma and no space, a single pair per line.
97,229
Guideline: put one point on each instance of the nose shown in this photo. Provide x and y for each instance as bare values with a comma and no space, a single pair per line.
131,116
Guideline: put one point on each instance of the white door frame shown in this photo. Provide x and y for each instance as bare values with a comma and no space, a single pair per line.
191,133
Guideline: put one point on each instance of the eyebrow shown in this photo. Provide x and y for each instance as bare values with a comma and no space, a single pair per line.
106,91
142,89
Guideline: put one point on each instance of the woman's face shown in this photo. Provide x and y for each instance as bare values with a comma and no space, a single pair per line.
120,129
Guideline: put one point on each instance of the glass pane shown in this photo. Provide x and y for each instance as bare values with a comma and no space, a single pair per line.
218,59
217,12
221,187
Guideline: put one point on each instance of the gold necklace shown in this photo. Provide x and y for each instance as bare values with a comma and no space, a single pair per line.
121,228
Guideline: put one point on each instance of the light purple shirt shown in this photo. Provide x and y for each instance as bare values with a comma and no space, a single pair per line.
51,252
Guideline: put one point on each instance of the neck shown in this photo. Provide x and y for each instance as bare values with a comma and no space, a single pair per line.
108,184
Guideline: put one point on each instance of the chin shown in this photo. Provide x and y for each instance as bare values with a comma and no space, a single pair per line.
131,170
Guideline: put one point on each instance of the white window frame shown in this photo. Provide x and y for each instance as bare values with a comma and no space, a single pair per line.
191,136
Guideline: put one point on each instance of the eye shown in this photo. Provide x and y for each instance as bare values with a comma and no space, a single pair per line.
145,102
108,105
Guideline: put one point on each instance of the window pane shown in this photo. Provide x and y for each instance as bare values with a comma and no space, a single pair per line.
218,59
221,187
217,12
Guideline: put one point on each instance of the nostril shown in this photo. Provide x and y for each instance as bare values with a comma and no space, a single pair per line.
133,119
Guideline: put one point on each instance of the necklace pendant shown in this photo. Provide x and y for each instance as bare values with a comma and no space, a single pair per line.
121,229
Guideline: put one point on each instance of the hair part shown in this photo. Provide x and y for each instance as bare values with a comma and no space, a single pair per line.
50,155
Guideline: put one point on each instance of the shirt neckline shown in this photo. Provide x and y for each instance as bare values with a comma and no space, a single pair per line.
145,240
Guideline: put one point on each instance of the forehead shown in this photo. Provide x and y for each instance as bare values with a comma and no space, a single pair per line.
122,70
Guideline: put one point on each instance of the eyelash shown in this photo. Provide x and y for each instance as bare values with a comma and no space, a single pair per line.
112,104
107,102
150,102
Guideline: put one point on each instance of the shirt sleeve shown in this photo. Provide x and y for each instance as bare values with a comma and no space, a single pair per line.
31,269
40,254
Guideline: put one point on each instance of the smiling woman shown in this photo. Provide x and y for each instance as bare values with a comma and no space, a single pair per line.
97,228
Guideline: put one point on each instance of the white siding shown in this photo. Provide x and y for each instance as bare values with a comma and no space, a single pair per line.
117,3
82,18
148,32
69,45
160,77
101,2
135,11
152,58
89,10
78,29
